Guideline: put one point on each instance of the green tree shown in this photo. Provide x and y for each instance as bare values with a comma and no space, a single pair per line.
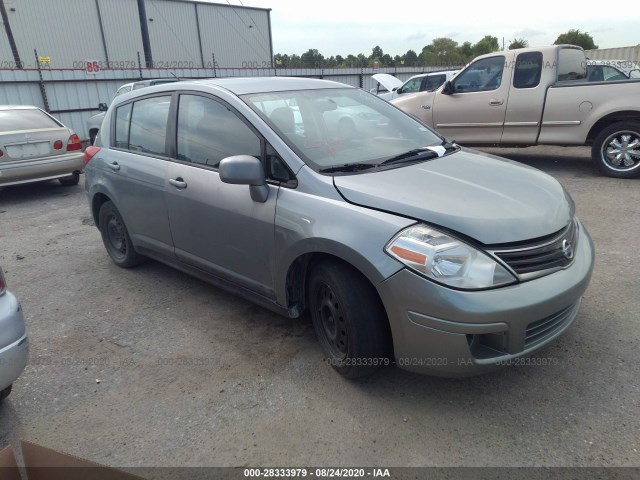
466,51
312,58
518,43
576,37
376,54
488,44
410,58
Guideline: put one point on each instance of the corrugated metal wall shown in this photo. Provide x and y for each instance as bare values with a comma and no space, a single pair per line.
66,31
121,26
173,31
73,95
623,53
237,37
69,33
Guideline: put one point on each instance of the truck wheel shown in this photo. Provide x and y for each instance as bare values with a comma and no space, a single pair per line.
349,319
616,150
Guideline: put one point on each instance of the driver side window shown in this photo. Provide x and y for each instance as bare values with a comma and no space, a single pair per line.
411,86
482,76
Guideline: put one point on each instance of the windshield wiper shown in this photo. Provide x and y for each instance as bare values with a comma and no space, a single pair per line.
349,167
415,154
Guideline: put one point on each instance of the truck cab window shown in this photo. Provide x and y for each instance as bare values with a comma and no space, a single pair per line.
481,76
528,70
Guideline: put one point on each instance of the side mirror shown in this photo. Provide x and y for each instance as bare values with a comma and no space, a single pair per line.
245,170
447,88
103,107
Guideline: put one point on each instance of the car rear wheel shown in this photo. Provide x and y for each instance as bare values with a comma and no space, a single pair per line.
5,393
70,181
616,150
349,319
116,237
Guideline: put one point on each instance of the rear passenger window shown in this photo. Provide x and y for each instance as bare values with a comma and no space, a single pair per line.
208,132
528,70
123,115
148,129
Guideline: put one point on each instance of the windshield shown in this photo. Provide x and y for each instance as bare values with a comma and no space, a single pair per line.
338,127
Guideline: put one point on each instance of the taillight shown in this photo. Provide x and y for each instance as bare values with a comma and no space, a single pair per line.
57,144
74,143
3,283
89,152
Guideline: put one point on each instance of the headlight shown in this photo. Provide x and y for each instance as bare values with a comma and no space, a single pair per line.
447,260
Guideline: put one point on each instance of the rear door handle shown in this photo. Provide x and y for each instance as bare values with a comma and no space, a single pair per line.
179,183
114,166
496,101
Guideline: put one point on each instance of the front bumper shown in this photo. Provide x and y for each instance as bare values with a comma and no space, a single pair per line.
14,344
46,168
446,332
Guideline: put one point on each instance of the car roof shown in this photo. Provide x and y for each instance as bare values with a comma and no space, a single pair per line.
18,107
246,85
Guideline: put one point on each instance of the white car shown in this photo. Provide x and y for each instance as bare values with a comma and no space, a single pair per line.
611,70
392,87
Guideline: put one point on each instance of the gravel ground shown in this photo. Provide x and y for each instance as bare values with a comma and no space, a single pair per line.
150,367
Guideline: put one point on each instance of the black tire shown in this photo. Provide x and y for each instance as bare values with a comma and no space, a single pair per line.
349,319
116,237
616,150
92,137
70,181
5,393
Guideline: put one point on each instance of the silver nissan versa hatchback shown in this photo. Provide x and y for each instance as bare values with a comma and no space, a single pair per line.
402,246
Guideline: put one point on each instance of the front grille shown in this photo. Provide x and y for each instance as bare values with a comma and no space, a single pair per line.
542,329
550,254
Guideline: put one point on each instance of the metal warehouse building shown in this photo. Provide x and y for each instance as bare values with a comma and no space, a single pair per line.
133,33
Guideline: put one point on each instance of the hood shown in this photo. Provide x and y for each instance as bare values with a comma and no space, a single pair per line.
387,81
489,199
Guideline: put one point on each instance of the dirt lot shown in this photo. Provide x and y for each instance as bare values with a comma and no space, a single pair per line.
149,367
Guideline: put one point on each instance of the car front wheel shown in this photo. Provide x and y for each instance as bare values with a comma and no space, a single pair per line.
116,237
616,150
349,319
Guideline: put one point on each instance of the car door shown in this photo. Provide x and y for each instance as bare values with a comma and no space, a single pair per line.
474,111
216,226
136,171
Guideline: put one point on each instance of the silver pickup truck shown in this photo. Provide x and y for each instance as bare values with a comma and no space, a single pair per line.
537,96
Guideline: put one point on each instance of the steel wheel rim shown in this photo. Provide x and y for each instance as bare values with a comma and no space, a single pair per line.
333,325
116,235
621,151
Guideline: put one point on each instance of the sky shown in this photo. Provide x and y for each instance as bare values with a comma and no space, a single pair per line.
341,27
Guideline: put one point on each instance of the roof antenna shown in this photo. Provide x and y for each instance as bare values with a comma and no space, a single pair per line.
175,75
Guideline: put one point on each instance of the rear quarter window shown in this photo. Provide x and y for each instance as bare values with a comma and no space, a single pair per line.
571,64
25,119
528,70
148,129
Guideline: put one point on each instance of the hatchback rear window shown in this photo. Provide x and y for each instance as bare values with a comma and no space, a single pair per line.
25,119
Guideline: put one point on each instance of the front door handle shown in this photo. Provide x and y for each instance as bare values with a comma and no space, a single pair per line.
179,183
496,101
114,166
